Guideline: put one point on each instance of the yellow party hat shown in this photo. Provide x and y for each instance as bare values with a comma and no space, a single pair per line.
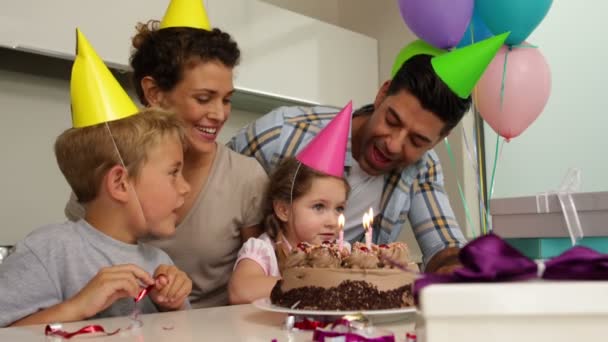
97,96
186,13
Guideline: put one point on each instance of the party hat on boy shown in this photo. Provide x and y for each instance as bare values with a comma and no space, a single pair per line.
327,150
460,69
96,95
186,13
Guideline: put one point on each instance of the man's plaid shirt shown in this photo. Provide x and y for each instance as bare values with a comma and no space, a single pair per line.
415,193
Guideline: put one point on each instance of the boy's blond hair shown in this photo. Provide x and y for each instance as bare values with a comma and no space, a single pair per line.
85,155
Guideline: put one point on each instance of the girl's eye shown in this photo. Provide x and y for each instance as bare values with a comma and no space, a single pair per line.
227,101
202,99
318,206
340,209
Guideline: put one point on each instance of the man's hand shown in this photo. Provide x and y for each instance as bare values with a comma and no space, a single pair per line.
171,289
448,269
444,262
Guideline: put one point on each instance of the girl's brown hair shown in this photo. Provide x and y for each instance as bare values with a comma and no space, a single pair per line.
280,189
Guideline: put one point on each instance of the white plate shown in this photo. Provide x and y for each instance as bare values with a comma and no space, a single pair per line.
266,305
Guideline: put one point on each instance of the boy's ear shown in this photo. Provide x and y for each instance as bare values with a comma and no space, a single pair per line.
153,94
116,183
281,209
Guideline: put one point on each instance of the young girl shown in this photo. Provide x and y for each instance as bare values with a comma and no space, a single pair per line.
308,213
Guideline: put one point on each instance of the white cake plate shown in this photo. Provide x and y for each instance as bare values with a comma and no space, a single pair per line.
375,315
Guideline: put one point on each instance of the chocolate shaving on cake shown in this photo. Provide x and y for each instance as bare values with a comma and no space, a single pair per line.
349,295
346,294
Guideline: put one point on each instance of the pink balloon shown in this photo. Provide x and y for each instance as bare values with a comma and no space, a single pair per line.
526,90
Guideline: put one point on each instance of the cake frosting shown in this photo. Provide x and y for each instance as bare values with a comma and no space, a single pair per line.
323,277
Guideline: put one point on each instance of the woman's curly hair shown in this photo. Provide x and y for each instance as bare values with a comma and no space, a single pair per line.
165,53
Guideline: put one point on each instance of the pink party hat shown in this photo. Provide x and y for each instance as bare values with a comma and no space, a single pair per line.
326,151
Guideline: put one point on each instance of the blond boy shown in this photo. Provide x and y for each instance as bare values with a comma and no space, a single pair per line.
131,184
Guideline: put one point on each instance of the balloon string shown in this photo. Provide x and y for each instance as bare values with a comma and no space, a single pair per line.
473,162
482,190
497,155
504,68
502,97
472,32
504,78
462,197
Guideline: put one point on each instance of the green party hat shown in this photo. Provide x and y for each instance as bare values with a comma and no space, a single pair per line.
460,69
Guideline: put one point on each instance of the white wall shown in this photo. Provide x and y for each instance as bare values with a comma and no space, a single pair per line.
285,54
34,111
379,19
324,10
571,132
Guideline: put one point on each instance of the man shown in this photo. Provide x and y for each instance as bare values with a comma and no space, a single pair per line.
391,166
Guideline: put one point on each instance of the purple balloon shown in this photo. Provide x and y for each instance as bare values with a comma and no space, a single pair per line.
441,23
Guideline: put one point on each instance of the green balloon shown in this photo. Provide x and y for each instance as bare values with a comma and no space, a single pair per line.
417,47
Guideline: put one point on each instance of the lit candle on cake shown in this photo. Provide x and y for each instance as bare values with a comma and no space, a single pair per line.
341,234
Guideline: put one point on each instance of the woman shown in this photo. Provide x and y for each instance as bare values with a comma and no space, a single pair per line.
188,70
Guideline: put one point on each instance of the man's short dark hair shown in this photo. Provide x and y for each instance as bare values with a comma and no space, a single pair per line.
417,77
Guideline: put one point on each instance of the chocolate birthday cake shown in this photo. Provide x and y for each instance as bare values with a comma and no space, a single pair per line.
323,277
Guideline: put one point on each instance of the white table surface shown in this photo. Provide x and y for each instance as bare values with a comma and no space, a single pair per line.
229,323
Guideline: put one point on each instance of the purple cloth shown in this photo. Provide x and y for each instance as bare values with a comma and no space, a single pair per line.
490,259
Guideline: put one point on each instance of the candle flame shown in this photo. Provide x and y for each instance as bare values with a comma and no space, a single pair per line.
371,216
341,221
366,221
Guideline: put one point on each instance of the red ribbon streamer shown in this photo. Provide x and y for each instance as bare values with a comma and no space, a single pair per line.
49,330
143,293
308,324
89,329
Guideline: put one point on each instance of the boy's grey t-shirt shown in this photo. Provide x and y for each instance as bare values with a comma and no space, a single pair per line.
55,262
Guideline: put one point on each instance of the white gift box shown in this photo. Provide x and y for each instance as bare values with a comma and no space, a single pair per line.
531,311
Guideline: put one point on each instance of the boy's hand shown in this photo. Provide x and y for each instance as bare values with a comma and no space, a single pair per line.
172,287
109,285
